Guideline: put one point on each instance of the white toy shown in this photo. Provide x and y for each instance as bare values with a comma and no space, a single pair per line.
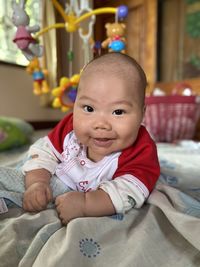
23,38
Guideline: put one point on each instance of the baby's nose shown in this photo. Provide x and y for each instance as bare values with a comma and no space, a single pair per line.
102,123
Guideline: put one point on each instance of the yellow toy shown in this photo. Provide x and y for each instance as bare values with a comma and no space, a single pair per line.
72,21
74,13
40,85
65,93
116,40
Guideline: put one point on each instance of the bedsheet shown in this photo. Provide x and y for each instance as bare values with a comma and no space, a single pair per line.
165,232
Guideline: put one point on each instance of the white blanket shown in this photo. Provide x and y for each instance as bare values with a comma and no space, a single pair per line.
165,232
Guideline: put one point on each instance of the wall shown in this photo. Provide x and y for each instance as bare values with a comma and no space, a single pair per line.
17,99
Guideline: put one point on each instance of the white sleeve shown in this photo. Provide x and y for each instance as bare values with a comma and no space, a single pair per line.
40,155
124,193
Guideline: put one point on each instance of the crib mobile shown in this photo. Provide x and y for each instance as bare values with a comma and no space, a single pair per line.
27,40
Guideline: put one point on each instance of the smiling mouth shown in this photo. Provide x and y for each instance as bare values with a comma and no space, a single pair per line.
103,142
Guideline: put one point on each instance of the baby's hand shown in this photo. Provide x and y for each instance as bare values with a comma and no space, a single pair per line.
37,196
70,205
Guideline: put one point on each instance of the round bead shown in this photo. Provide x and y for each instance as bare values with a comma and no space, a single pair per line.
117,46
122,11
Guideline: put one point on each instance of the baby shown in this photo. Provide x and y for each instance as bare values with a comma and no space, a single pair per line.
100,152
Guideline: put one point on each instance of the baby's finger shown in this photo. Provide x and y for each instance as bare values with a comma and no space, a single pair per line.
28,206
63,221
57,201
41,201
49,195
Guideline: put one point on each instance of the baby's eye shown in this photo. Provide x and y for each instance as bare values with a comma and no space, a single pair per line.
88,108
118,112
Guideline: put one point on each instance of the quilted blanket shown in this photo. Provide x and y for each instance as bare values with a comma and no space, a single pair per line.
164,232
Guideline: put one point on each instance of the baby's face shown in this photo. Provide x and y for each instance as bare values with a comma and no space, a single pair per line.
107,115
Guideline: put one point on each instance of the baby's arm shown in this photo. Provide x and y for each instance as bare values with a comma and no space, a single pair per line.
73,205
37,190
116,196
38,169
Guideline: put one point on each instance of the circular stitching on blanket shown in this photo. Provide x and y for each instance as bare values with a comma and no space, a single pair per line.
89,247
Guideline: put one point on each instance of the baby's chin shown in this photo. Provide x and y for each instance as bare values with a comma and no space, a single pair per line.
98,154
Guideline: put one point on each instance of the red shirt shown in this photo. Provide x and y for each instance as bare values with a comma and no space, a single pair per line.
139,160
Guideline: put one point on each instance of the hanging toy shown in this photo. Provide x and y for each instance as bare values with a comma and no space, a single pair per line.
65,93
76,12
115,32
40,85
115,37
122,12
23,38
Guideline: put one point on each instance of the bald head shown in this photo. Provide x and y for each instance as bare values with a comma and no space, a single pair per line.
123,67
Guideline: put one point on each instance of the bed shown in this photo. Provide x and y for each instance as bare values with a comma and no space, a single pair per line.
165,232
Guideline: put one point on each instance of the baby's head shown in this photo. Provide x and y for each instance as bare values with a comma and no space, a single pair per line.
122,67
109,106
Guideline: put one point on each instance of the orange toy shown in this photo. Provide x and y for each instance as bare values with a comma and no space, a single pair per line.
40,85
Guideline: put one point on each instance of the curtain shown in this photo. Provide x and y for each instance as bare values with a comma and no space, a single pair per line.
50,49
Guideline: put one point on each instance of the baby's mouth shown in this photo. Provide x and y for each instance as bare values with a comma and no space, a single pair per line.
102,142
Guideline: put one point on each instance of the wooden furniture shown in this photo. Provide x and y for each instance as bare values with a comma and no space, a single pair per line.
153,41
142,28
